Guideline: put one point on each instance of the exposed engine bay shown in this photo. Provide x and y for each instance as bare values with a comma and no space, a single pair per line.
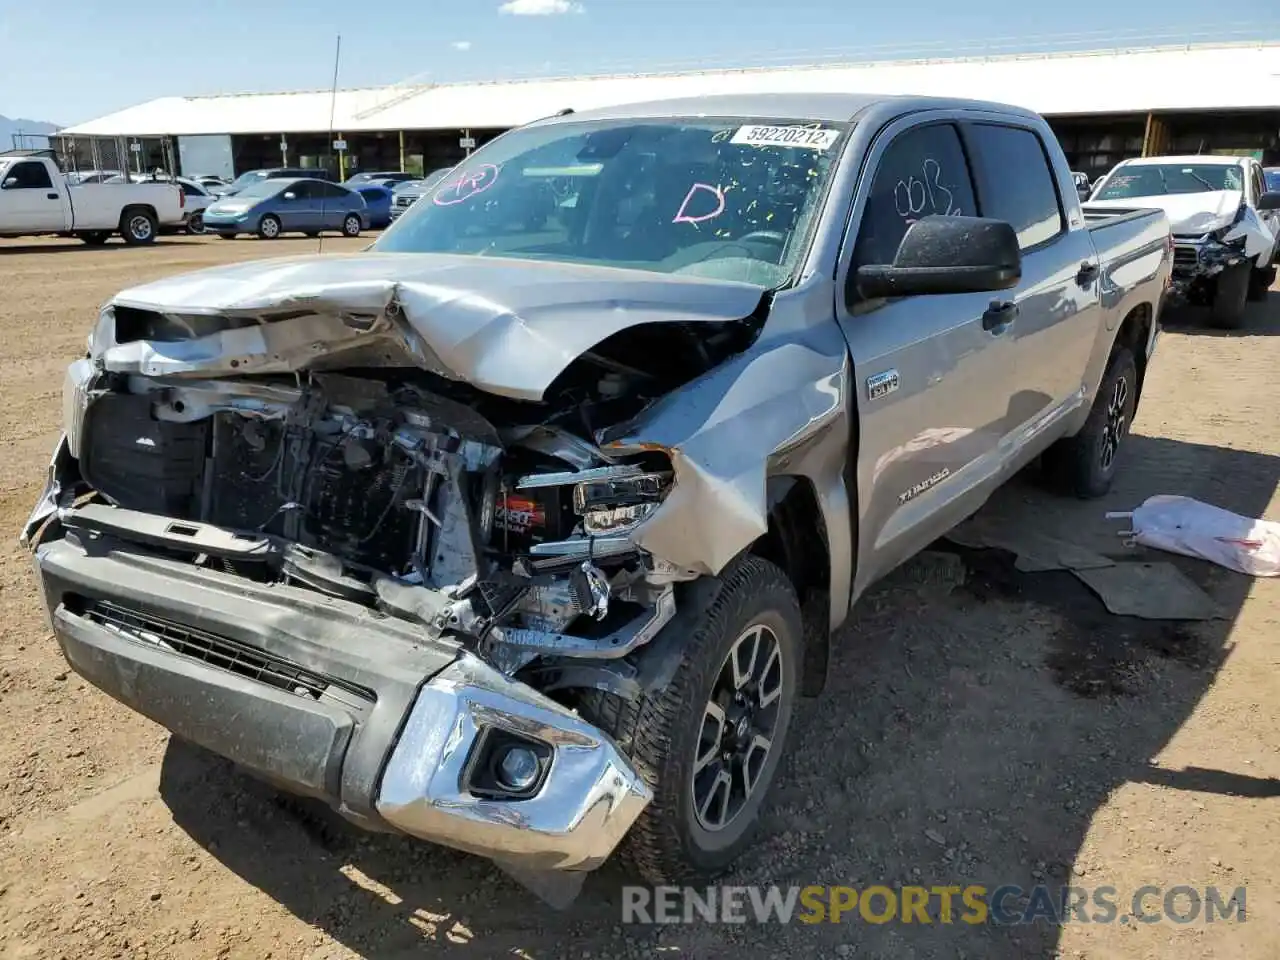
377,490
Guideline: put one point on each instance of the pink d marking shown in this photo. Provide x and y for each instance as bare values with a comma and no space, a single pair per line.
468,184
682,216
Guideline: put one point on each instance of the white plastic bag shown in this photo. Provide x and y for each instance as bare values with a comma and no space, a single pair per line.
1195,529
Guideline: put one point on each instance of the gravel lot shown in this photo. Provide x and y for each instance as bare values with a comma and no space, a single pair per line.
1006,731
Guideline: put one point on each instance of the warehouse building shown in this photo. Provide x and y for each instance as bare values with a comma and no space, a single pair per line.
1105,106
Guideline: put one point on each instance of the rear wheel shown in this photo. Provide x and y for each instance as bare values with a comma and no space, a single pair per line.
709,744
269,227
1085,465
351,225
138,226
195,223
1230,296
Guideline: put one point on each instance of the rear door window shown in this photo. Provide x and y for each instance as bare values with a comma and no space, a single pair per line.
922,173
1015,181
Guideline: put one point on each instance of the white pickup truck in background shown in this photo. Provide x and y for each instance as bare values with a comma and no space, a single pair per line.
37,198
1226,225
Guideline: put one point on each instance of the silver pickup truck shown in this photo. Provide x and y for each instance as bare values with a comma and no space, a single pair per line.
524,531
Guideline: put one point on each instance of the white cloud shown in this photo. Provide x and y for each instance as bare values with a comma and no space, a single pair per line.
540,8
463,45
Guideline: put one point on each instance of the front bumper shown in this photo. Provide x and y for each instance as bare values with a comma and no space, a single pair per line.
227,226
326,698
1200,258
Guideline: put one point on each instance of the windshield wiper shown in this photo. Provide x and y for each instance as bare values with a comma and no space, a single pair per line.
1196,176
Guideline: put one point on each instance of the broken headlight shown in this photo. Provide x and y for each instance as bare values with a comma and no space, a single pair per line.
604,501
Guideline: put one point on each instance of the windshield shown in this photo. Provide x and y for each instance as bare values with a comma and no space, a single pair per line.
253,176
261,188
1155,179
721,198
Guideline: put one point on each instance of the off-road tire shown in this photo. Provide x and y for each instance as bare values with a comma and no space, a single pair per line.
138,226
660,733
1230,295
1260,282
269,227
1076,465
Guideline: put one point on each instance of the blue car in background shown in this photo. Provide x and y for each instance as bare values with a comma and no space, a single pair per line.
377,176
1273,179
272,207
377,201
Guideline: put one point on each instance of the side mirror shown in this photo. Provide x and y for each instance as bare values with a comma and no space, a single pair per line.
290,195
1269,200
947,255
9,183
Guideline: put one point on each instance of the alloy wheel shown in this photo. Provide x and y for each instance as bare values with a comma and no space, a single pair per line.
738,727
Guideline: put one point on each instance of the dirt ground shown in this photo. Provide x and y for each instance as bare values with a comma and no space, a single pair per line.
1009,731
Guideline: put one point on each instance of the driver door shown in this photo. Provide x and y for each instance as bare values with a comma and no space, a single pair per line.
930,372
29,200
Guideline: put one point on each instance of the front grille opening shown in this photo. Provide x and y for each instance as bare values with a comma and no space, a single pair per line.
216,651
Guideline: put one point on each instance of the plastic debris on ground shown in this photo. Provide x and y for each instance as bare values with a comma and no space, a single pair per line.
1195,529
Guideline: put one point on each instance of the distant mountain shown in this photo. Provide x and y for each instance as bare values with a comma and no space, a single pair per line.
9,127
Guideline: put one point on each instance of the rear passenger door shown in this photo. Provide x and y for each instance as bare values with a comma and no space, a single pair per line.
332,204
929,371
1057,319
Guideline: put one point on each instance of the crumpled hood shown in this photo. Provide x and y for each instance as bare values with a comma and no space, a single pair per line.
506,326
1190,214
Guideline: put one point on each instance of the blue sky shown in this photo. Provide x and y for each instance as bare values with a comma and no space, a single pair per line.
73,60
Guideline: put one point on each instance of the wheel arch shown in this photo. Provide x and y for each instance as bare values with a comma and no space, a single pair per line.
133,208
798,543
1134,333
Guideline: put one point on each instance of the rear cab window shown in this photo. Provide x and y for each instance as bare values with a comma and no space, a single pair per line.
1015,181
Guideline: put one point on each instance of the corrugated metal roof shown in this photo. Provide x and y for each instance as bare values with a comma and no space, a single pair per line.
1208,77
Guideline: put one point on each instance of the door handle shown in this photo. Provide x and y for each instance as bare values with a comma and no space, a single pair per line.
999,316
1087,272
51,196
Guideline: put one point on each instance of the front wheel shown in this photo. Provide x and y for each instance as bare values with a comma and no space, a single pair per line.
351,226
709,744
269,227
1085,464
1230,296
1260,281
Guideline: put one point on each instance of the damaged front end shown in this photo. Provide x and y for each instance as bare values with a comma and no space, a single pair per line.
1203,249
315,538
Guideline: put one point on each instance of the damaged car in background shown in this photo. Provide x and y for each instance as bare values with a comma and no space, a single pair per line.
524,530
1225,219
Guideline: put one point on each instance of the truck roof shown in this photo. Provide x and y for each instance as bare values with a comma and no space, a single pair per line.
42,152
834,107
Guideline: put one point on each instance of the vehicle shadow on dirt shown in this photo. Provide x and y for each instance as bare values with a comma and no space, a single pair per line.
1261,319
968,735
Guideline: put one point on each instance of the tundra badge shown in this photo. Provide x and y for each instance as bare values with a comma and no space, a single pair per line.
882,384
